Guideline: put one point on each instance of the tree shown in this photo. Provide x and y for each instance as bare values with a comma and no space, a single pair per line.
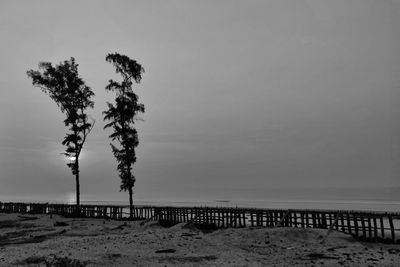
68,90
122,116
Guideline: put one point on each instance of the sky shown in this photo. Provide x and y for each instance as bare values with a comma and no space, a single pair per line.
239,95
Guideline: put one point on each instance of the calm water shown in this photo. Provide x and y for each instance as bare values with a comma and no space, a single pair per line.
382,199
377,199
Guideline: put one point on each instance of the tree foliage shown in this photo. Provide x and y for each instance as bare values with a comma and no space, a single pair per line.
122,116
63,84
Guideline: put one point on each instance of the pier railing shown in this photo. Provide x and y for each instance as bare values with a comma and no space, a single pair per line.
363,225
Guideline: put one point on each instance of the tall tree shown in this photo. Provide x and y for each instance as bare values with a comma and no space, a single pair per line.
122,116
68,90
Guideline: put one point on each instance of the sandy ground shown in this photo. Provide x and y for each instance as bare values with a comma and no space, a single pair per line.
38,240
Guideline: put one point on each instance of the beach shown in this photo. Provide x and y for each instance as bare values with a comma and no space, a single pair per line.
44,240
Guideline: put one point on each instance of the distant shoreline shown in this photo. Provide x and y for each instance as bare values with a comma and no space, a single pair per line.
347,205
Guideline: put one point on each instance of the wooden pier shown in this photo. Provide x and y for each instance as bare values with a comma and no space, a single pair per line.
366,226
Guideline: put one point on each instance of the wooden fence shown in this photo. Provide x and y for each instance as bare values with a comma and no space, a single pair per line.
366,226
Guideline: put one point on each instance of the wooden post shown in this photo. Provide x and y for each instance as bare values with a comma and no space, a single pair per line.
375,230
382,227
258,218
282,219
342,222
281,216
355,224
314,220
318,216
369,227
238,218
337,224
324,223
270,222
331,227
294,219
264,215
392,228
218,212
269,218
275,219
348,223
235,217
224,217
363,227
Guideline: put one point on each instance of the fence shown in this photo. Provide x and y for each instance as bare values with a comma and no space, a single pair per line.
366,226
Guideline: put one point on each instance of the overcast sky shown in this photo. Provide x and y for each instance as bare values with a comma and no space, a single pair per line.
238,94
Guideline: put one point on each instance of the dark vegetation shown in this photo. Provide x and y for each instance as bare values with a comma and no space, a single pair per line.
122,116
63,84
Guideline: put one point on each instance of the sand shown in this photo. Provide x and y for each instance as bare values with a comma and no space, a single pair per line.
38,240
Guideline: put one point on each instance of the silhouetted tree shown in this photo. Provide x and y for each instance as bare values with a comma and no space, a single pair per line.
68,90
122,117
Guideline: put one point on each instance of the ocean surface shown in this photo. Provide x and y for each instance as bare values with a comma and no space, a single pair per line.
368,199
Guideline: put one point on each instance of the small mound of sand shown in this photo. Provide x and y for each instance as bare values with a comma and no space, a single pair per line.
52,260
302,235
151,225
9,223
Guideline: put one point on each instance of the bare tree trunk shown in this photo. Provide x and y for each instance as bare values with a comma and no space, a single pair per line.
78,194
130,203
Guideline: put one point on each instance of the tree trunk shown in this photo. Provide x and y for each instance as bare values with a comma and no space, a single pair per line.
78,201
130,203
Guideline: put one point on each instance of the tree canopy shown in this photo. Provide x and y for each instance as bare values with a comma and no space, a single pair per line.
122,116
63,84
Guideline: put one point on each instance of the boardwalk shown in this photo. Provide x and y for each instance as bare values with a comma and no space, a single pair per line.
366,226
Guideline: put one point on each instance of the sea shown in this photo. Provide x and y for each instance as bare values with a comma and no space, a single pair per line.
363,199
